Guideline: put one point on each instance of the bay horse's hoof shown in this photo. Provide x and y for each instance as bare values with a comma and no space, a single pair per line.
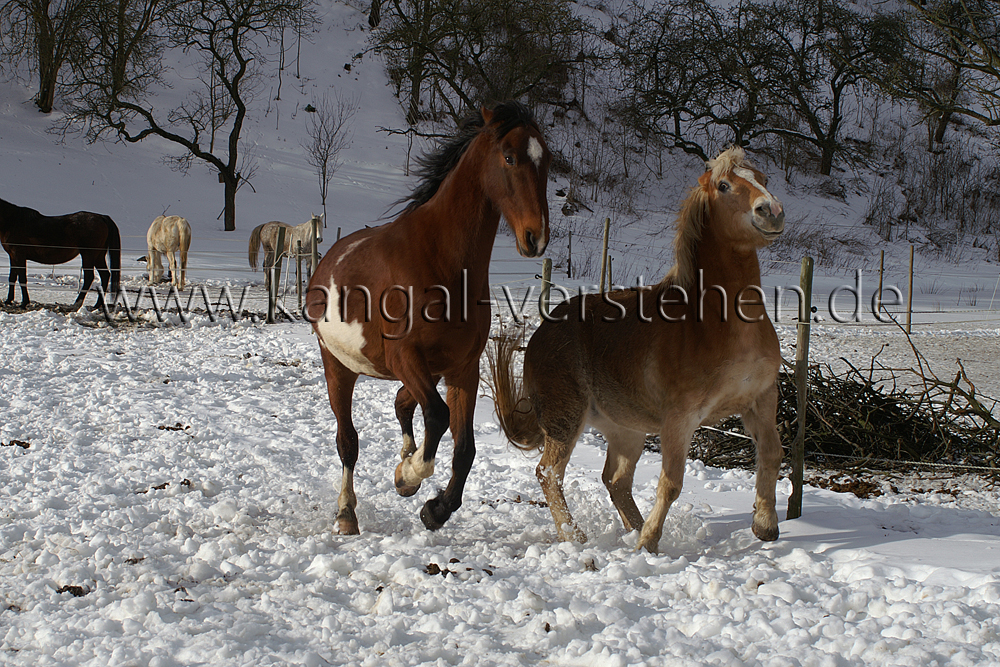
402,488
434,514
347,522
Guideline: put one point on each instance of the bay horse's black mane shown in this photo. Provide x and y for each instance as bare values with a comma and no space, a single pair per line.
432,167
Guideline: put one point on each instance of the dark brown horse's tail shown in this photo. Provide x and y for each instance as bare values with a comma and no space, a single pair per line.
254,245
514,411
114,257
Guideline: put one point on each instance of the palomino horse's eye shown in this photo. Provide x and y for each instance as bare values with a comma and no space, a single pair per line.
723,186
509,159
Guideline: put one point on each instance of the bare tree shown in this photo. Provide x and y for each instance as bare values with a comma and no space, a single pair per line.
44,34
328,136
454,55
229,40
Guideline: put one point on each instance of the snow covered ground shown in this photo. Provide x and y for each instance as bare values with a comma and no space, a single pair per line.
174,505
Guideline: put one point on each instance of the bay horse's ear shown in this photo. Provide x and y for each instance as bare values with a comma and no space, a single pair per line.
487,115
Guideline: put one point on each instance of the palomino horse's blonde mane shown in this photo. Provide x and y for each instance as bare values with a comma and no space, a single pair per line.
691,218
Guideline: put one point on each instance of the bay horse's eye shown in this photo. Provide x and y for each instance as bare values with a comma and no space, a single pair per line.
509,159
723,186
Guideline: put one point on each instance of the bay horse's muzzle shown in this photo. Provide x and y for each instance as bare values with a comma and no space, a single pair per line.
531,245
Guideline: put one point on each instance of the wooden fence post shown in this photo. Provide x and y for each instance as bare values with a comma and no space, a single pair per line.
272,295
604,252
909,294
546,285
569,256
314,249
801,389
298,272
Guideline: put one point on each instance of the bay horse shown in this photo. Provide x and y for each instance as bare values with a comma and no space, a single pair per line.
168,234
409,300
658,359
266,236
26,235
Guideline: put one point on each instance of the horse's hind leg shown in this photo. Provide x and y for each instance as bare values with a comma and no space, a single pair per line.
18,273
174,278
624,449
340,387
88,279
760,424
183,266
105,275
461,405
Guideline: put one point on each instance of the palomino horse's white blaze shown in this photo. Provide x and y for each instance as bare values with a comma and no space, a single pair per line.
344,340
535,151
769,199
168,235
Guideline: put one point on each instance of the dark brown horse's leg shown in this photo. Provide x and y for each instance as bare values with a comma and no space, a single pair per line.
462,405
105,275
760,424
88,279
18,272
340,387
422,387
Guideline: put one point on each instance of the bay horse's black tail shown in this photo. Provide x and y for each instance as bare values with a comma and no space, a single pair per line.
114,257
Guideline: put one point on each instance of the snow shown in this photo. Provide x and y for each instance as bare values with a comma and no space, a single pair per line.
175,502
184,478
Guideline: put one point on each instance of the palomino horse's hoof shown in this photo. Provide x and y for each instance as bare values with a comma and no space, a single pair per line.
765,534
402,488
347,522
434,514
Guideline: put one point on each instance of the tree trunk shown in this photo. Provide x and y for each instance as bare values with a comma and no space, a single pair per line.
230,211
942,125
826,161
48,70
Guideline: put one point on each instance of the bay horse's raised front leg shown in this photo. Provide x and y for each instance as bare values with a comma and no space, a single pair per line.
340,387
759,421
675,441
406,405
422,387
462,393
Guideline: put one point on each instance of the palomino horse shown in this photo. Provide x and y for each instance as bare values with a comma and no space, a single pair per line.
659,359
266,236
27,234
427,274
167,235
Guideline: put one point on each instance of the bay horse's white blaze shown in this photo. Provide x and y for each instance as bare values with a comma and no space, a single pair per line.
535,151
344,340
663,369
168,234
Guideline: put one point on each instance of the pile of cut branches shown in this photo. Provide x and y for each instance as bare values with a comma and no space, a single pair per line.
876,418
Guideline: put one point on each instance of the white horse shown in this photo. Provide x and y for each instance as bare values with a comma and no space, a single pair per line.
266,236
168,234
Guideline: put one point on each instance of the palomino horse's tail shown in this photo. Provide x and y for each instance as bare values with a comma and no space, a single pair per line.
114,256
514,411
255,245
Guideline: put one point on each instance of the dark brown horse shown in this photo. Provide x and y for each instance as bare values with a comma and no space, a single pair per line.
27,234
665,359
409,300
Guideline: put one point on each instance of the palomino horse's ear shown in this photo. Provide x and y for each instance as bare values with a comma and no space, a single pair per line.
487,115
706,180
